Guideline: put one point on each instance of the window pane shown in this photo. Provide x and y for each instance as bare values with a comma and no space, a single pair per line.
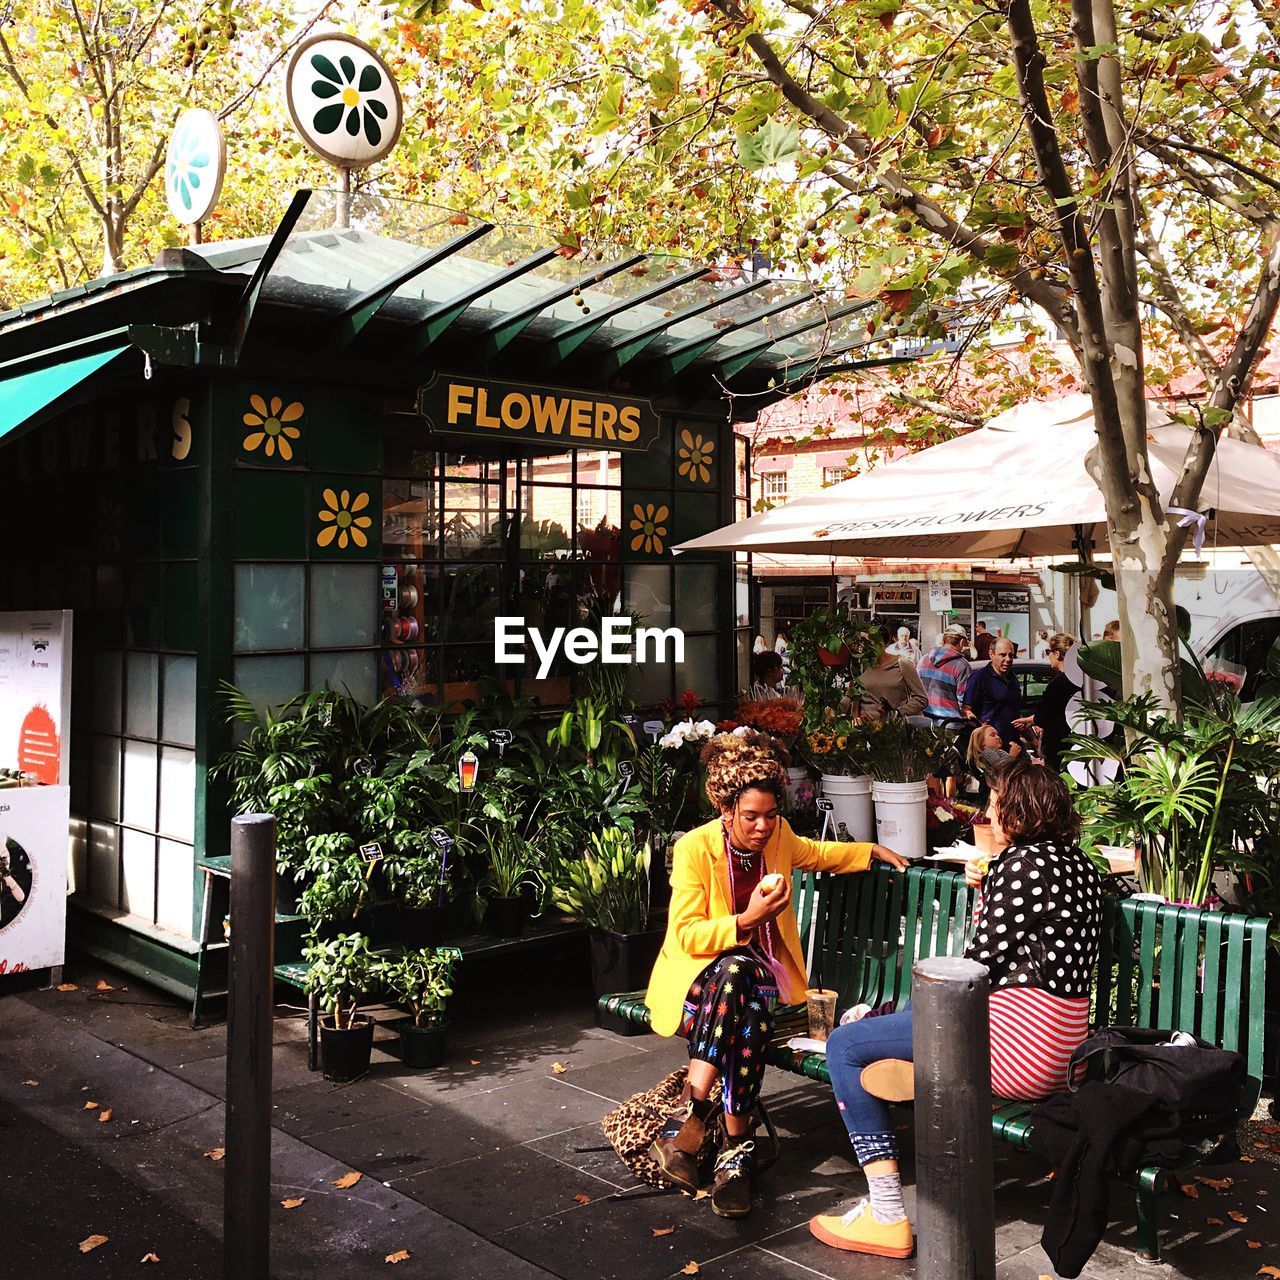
142,693
698,670
409,673
140,784
104,777
355,673
138,874
178,793
649,593
598,467
269,606
270,681
107,668
178,722
175,887
343,604
104,863
473,521
546,521
410,520
470,600
742,593
696,596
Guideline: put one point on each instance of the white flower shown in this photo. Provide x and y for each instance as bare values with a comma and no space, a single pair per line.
704,728
672,739
742,731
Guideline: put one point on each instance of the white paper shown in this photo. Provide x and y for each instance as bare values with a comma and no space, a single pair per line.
805,1045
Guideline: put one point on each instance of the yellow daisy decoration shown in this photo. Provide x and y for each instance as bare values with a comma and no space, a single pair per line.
342,519
696,456
270,428
651,523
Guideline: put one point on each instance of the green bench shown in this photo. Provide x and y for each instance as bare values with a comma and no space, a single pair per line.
1163,966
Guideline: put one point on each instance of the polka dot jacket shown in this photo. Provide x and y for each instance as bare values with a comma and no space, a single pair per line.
1040,919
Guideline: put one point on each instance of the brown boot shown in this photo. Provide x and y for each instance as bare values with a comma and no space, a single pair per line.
677,1146
731,1191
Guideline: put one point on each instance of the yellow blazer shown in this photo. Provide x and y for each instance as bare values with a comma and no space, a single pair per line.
702,924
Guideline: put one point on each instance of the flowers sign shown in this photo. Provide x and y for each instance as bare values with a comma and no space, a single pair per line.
343,99
194,166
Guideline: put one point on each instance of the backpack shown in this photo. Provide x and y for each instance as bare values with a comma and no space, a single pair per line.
632,1127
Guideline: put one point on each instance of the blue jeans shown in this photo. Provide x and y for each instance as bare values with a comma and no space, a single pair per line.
851,1048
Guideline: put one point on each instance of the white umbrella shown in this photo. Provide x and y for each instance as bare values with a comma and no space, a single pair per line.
1016,487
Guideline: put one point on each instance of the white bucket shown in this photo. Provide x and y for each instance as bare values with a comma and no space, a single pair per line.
851,804
796,774
901,818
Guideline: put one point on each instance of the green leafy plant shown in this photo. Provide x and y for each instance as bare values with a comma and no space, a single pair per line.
899,752
609,886
840,746
422,981
343,971
338,885
832,632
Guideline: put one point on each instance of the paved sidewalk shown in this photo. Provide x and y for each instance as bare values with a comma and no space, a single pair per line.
493,1165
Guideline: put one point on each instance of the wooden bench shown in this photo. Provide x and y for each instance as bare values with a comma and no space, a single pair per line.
1163,966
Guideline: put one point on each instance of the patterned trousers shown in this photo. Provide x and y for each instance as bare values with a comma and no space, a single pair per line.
727,1023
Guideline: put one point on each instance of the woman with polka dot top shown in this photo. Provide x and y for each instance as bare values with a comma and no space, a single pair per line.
1037,927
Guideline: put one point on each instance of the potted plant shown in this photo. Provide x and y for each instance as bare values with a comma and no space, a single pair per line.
342,972
839,750
512,866
338,892
422,980
780,718
609,888
830,649
418,879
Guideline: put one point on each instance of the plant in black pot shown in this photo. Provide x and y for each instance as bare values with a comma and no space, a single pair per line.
422,980
342,972
338,892
609,888
513,866
418,878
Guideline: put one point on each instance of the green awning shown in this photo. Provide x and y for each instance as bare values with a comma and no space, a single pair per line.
24,394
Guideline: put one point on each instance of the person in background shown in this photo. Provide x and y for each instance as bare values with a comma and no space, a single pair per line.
1040,650
982,641
760,646
892,684
782,647
766,677
944,673
1050,716
905,647
986,755
1037,929
1112,630
994,694
733,943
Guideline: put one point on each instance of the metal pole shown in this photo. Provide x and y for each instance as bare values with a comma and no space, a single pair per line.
955,1195
247,1198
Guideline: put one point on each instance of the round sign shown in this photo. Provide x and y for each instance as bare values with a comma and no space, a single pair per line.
343,99
1071,666
195,166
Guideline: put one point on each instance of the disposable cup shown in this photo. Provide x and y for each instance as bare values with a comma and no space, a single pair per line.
821,1005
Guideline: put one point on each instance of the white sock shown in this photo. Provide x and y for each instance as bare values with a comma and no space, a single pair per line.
886,1198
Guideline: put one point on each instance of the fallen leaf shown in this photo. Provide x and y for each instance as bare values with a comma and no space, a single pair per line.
90,1243
559,1068
1270,1271
104,1116
68,986
400,1255
663,1231
1254,1244
475,1062
690,1269
1218,1184
216,1154
32,1083
348,1180
701,1195
89,1106
1214,1222
149,1257
293,1203
1246,1160
583,1199
1191,1192
1236,1216
103,985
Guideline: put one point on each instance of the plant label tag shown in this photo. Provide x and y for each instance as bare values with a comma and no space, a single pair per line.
371,852
441,839
630,719
654,728
626,769
500,737
826,806
363,767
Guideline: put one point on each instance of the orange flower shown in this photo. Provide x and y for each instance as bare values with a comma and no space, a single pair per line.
696,456
342,520
272,430
651,523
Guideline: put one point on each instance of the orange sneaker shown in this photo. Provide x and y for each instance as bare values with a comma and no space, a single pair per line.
893,1079
859,1232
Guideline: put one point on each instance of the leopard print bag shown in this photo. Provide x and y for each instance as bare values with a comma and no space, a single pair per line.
632,1127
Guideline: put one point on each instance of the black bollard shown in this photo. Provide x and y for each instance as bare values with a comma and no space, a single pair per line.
955,1195
247,1186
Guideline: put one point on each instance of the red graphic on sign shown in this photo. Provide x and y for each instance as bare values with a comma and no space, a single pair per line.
39,750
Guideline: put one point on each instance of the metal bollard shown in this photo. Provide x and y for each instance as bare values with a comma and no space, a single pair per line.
247,1194
955,1195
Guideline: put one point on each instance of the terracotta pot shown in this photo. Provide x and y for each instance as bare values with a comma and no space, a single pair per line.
829,659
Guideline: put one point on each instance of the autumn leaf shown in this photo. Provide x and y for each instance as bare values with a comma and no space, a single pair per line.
103,985
90,1243
582,1199
559,1068
32,1083
1248,1159
149,1257
293,1203
400,1255
475,1062
89,1106
348,1180
897,300
1191,1192
1274,1272
104,1116
216,1154
690,1269
663,1231
1236,1216
1218,1184
458,220
1214,1222
68,986
1254,1244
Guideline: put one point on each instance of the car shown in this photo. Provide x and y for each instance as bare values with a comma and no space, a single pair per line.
1034,675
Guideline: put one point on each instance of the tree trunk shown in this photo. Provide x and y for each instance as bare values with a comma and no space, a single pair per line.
1148,622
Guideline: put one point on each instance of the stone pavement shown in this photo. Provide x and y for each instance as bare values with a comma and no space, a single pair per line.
493,1165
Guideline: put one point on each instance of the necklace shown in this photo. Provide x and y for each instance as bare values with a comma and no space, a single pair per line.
744,859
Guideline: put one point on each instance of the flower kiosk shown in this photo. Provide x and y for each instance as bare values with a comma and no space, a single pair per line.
335,456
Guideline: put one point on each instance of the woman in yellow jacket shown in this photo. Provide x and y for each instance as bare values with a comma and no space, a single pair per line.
732,944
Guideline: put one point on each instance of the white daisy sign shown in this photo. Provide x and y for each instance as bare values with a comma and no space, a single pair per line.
194,166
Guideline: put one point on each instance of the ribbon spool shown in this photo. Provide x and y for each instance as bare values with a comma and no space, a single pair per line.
410,628
408,597
389,630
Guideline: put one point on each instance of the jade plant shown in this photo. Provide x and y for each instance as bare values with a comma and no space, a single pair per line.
342,971
422,981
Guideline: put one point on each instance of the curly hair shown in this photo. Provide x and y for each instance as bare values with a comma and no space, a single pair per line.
738,762
1033,802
